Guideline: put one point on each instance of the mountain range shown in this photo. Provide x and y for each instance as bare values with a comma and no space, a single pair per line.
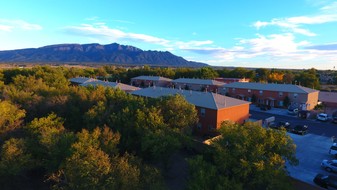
96,53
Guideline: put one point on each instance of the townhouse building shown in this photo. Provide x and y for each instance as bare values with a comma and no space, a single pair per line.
274,95
147,81
197,84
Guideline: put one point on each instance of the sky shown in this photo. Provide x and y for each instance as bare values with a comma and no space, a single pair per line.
291,34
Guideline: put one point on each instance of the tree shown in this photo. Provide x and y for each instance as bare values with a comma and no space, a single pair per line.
15,160
207,73
249,155
49,142
178,113
11,117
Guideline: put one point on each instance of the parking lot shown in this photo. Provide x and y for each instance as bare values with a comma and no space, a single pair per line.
310,151
311,148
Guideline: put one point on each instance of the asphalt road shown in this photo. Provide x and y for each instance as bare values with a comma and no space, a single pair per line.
326,129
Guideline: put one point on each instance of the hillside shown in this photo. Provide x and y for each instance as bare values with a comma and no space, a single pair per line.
96,53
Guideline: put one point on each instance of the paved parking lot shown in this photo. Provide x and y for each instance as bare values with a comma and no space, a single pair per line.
310,151
311,148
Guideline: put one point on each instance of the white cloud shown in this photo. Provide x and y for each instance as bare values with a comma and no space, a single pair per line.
9,25
326,14
193,43
5,28
102,31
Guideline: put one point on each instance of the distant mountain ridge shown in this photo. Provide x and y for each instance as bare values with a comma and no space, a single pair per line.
82,53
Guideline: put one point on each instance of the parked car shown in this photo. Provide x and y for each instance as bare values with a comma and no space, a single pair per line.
334,119
322,117
326,181
329,165
333,149
292,111
280,124
300,129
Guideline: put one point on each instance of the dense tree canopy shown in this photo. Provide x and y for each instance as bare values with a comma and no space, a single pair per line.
249,156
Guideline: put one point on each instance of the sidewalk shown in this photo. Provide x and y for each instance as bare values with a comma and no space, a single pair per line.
274,111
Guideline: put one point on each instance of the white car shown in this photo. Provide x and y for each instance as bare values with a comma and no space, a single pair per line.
333,150
322,117
329,165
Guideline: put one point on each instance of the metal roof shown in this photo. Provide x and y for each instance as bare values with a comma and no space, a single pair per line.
198,81
151,78
121,86
327,97
81,80
271,87
201,99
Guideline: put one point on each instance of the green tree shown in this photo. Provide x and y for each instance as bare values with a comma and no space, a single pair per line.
49,142
11,117
15,161
249,156
178,113
207,73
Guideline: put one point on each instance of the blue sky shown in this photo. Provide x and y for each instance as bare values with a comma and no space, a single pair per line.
243,33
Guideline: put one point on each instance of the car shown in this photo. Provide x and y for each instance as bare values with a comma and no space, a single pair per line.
292,111
284,124
329,165
322,117
326,181
300,129
334,119
279,125
333,149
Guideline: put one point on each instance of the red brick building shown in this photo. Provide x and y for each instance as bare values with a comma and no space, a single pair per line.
212,108
273,95
197,84
147,81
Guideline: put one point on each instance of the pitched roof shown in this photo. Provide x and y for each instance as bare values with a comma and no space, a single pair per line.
327,97
151,78
271,87
81,80
200,99
121,86
198,81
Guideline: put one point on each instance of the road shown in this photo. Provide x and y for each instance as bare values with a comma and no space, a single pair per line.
326,129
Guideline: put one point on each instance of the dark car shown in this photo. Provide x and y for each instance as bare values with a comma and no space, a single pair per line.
300,129
326,181
334,119
280,124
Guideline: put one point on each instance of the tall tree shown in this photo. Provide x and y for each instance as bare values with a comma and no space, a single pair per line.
10,117
248,155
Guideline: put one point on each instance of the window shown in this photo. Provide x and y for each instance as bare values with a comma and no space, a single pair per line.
280,94
249,90
211,128
202,112
280,103
233,89
199,126
261,92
